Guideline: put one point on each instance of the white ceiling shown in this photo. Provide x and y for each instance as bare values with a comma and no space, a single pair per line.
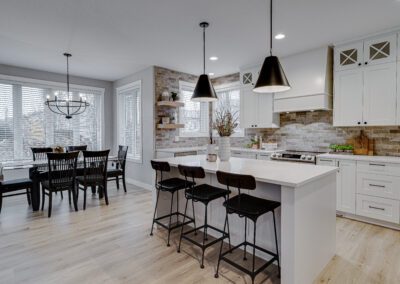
110,39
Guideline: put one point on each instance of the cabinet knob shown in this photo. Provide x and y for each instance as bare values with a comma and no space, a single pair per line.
359,64
366,62
365,122
359,122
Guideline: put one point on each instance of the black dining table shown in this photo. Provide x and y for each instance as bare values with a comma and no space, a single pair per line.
39,172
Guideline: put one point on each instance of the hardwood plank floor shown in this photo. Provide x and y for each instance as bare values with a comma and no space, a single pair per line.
111,244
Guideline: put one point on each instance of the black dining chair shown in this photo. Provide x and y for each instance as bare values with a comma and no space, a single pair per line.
40,154
75,148
16,185
118,171
94,173
61,177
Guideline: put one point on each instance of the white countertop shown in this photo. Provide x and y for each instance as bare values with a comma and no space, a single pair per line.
381,159
203,148
275,172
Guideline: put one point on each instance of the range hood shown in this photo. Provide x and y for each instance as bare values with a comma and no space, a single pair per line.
311,76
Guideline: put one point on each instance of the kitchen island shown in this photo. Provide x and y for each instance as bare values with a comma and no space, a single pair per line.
306,218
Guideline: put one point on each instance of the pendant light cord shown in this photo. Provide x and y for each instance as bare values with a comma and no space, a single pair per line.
67,76
204,49
270,27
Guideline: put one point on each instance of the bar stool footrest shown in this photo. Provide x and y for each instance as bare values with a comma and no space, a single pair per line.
178,225
208,244
245,270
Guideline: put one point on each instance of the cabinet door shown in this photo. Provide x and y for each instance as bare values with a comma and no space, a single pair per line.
380,94
348,56
248,108
380,50
266,116
348,98
346,187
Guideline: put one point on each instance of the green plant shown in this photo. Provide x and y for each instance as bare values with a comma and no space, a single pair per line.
225,122
333,146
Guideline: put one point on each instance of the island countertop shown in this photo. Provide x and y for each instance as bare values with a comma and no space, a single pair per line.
275,172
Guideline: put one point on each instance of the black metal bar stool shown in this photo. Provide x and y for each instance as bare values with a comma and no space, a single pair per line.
203,193
249,207
171,185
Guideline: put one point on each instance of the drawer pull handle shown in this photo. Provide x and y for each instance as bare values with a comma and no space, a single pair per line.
377,185
324,160
377,208
379,165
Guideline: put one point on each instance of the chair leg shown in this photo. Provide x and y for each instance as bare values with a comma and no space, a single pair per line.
84,197
222,244
43,198
194,219
276,244
155,212
124,183
184,219
117,181
254,252
75,198
50,202
170,217
62,196
1,200
69,197
245,239
204,236
28,196
105,193
227,224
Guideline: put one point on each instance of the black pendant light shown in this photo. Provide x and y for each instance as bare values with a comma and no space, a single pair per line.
272,78
204,91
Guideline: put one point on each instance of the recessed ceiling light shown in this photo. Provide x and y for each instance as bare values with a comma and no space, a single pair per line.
211,74
213,58
280,36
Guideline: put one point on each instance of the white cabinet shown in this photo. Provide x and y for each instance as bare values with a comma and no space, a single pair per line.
264,156
378,208
365,88
346,186
348,98
256,110
241,154
380,95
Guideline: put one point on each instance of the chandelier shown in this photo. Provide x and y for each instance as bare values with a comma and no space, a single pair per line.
64,103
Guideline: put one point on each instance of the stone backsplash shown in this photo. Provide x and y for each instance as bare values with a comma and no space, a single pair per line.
308,131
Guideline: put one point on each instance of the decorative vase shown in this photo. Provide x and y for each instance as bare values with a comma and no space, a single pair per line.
224,148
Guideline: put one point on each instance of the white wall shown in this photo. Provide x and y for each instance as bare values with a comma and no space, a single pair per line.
56,77
140,173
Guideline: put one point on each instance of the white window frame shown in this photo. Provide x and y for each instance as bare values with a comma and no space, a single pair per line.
224,88
36,83
182,85
119,90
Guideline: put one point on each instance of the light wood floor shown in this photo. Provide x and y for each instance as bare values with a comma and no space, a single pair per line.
111,244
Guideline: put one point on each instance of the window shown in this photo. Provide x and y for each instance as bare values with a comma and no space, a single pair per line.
194,115
130,119
25,120
229,98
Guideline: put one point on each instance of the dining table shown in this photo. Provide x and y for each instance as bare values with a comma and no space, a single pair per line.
38,172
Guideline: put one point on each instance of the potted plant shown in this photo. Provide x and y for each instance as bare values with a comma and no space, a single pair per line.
225,124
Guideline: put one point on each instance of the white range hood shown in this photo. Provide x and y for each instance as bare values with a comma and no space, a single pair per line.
310,75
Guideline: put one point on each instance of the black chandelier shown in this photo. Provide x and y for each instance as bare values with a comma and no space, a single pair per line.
67,106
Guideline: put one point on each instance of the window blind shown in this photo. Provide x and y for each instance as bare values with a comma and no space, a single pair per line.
25,120
194,115
130,120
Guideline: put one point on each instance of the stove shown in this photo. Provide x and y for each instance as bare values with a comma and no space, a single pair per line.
296,156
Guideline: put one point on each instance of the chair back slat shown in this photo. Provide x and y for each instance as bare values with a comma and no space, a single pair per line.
122,153
160,166
95,166
40,154
192,172
76,148
236,180
62,169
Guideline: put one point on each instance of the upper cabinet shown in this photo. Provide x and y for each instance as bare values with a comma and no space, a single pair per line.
365,89
256,110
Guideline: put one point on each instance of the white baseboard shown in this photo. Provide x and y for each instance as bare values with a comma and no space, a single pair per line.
139,184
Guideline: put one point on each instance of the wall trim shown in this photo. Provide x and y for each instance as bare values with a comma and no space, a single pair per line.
140,184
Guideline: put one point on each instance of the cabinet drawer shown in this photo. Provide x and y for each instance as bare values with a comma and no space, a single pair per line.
378,208
326,162
263,156
245,155
378,185
378,167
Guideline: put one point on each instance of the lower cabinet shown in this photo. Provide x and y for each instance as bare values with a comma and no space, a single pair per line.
378,208
246,155
346,186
